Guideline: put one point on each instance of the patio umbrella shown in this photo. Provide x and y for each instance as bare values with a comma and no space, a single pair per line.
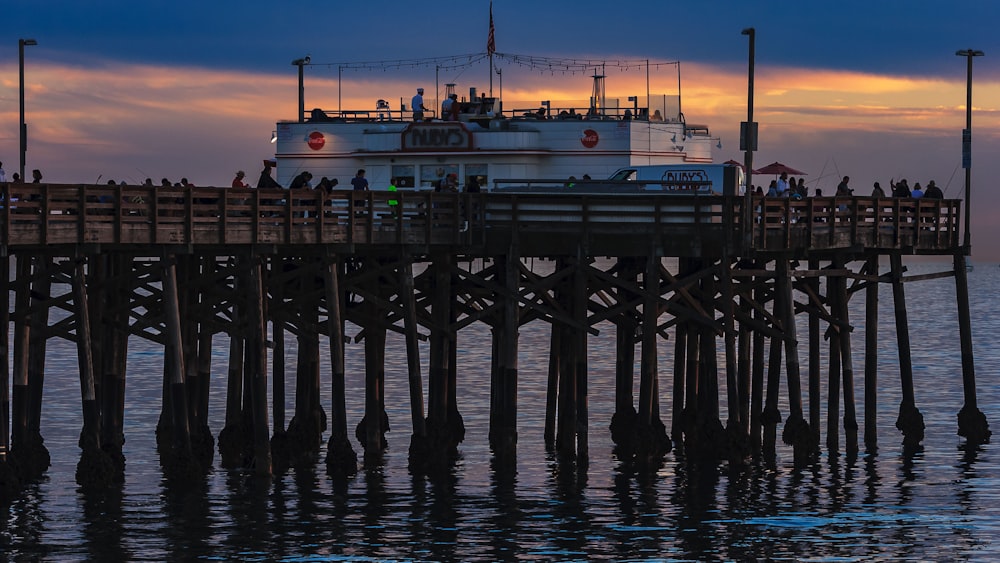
732,162
776,168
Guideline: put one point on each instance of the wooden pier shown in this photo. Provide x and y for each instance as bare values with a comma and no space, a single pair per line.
177,266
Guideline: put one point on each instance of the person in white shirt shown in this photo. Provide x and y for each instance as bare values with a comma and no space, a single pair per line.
446,108
417,103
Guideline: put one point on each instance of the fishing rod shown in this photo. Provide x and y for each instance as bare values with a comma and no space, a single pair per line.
946,186
822,173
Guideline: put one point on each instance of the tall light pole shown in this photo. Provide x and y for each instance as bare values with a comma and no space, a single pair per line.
972,422
500,102
302,91
23,129
748,139
967,142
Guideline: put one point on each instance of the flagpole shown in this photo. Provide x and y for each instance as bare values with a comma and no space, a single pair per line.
491,47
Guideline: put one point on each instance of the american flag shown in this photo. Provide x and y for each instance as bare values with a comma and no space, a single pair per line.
491,44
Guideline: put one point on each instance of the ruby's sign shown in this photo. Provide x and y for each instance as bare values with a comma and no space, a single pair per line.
589,138
436,136
316,140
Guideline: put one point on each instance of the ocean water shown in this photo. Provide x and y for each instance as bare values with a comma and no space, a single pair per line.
941,503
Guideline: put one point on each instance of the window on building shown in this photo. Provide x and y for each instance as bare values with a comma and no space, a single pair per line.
431,175
404,175
479,172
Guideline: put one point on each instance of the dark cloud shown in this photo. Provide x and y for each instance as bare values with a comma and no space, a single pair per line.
918,37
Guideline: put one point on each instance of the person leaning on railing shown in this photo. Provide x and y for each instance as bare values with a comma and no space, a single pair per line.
934,193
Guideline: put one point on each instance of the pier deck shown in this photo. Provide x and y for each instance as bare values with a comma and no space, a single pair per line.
178,266
474,224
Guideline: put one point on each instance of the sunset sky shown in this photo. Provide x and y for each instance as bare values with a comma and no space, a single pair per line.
129,90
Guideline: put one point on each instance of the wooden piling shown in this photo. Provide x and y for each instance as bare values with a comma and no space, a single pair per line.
341,460
566,417
305,431
760,293
257,366
232,438
110,321
552,383
205,336
834,378
95,469
972,422
174,356
506,438
580,310
744,350
815,361
437,391
847,368
648,352
680,377
796,432
735,427
771,414
407,296
40,294
709,385
28,451
625,420
871,355
277,315
910,422
373,435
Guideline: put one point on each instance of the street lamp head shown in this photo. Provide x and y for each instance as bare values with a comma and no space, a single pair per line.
28,42
747,31
969,53
303,61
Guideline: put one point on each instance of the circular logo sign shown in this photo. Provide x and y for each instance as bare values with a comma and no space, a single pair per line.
316,140
589,138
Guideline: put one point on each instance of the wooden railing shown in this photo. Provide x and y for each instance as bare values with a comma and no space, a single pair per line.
839,222
52,214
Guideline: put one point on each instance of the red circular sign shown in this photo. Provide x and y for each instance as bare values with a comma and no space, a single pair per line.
316,140
589,138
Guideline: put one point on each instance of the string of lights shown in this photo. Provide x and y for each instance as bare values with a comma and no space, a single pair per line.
535,63
454,61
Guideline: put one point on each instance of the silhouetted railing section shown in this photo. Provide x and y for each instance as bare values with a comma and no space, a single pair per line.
71,214
829,222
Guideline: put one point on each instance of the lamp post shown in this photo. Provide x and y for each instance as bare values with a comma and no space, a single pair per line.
302,91
972,422
500,101
967,142
748,139
23,129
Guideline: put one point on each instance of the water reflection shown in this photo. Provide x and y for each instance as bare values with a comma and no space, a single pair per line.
568,482
247,529
22,527
935,504
105,525
505,525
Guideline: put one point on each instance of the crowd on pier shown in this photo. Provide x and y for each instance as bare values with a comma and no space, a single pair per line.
782,186
785,186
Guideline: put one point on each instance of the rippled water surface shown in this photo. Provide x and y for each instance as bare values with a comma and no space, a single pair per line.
942,503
